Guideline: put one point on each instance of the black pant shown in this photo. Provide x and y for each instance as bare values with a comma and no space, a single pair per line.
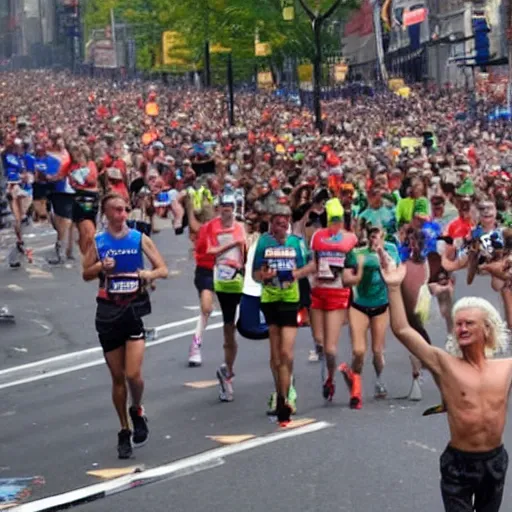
466,475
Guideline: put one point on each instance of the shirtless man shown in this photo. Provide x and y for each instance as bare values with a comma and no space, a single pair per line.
475,390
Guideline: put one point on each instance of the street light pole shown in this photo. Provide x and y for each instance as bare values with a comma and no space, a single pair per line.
317,21
317,74
509,37
231,94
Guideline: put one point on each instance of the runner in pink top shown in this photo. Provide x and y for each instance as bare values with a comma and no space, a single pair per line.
330,300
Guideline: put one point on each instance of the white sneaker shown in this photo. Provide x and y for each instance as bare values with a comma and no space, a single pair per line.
313,356
225,384
415,394
194,353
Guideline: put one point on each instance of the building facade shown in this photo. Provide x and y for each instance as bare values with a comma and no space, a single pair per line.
435,40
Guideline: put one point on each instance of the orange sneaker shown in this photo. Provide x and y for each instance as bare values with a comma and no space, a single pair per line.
348,375
356,399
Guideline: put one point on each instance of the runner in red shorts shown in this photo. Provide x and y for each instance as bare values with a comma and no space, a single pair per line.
330,300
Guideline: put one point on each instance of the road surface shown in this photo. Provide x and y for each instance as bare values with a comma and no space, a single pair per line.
58,422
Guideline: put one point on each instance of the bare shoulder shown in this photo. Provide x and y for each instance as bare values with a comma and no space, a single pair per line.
501,365
445,358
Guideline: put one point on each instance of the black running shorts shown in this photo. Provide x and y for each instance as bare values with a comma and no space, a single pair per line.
282,314
116,325
62,205
86,206
228,304
203,279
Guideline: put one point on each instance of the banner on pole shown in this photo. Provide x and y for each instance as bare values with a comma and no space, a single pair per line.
265,80
340,72
288,8
175,51
305,72
262,49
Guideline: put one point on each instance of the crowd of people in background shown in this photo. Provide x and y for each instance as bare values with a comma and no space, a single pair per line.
281,218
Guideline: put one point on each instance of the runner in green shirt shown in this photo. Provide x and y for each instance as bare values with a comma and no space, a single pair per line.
280,261
369,310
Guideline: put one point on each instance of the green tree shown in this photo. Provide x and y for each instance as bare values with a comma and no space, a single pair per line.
231,23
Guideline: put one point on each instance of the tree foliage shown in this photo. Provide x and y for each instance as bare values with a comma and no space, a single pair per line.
231,23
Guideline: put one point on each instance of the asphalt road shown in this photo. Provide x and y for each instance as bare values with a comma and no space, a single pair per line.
58,422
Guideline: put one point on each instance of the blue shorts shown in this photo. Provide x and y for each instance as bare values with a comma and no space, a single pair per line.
203,279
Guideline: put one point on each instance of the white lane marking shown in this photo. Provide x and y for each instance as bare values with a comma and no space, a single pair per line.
72,355
96,362
417,444
183,322
163,472
43,249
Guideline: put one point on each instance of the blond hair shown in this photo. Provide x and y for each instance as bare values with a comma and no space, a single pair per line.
496,343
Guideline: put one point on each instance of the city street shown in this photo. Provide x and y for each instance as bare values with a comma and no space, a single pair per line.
58,422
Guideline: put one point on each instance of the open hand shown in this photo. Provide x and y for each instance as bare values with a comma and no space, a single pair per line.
393,275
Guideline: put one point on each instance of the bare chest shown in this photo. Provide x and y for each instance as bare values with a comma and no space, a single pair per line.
466,388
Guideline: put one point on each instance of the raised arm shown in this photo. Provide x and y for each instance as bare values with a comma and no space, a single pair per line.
411,339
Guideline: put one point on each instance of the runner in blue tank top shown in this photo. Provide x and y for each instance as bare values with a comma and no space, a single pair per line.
117,260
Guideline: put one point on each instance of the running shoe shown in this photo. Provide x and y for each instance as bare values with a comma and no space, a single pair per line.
194,354
347,373
303,318
329,389
272,404
140,426
284,411
380,391
356,399
292,397
225,384
415,394
124,444
317,354
59,255
353,381
313,356
15,256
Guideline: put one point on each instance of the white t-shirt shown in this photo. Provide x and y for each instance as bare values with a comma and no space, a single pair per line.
251,287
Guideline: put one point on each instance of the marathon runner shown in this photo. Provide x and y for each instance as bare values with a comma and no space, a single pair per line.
200,208
368,311
116,259
83,178
19,193
280,261
62,200
225,241
330,300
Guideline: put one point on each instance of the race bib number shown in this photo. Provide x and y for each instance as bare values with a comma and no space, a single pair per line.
283,261
123,284
330,264
224,273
